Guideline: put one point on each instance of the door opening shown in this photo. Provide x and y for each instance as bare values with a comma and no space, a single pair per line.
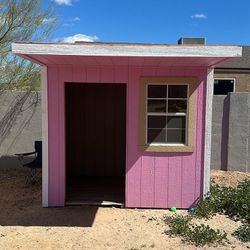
95,143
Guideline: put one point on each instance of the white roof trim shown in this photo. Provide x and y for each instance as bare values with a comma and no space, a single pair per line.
134,50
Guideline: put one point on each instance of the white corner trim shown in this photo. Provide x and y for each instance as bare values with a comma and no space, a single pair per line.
208,131
137,50
45,167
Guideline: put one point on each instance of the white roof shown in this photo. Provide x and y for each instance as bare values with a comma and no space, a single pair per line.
133,50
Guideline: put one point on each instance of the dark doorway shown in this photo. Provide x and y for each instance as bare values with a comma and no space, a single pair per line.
95,143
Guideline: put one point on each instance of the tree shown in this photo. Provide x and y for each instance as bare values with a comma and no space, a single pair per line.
22,20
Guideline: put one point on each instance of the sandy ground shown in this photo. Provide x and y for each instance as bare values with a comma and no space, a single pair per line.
25,225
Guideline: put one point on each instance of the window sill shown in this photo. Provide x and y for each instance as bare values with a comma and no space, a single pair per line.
167,148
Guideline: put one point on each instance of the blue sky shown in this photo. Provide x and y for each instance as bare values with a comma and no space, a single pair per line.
153,21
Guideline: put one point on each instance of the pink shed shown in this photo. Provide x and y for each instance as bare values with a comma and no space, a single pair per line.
152,178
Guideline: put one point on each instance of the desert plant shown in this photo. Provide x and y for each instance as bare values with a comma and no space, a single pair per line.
199,235
202,235
234,202
178,225
243,233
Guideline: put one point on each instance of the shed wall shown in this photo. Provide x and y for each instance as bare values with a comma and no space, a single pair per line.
157,180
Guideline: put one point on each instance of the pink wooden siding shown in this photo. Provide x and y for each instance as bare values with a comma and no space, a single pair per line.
157,180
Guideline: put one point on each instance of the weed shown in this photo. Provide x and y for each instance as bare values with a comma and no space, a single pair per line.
243,233
234,202
199,235
202,235
178,225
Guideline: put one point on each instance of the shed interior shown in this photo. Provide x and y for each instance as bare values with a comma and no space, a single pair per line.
95,143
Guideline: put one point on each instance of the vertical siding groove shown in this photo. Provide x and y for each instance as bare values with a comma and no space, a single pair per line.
168,204
154,181
181,181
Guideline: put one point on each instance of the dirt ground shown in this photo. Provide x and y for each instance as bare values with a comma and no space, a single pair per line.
24,224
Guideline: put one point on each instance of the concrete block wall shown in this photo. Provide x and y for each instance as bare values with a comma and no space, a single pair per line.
231,132
20,125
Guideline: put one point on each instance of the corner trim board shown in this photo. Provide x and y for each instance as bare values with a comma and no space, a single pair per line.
45,167
208,131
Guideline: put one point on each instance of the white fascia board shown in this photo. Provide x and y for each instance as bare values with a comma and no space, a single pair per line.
136,50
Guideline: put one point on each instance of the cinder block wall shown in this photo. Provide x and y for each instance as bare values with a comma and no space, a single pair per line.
231,132
20,125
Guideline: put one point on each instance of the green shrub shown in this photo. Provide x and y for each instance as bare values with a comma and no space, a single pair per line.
178,225
243,233
202,235
234,202
199,235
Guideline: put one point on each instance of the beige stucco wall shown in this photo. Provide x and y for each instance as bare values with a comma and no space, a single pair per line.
242,79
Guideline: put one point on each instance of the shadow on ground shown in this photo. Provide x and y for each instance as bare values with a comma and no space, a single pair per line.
20,205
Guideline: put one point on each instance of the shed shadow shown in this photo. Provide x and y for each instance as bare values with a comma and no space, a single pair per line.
20,204
78,216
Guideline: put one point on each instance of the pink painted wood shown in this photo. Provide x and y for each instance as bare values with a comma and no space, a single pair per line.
154,180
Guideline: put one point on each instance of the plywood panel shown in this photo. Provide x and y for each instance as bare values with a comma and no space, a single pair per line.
147,181
65,75
175,181
161,181
134,161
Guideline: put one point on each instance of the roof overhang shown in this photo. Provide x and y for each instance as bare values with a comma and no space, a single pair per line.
197,55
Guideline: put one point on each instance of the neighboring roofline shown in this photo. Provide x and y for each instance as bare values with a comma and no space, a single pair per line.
233,70
128,50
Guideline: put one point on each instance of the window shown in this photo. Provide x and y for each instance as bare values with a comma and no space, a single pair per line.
167,114
223,86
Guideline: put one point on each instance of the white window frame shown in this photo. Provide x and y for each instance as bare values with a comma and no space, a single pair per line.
166,114
226,78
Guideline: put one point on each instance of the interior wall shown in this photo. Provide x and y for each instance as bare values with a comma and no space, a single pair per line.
157,180
95,129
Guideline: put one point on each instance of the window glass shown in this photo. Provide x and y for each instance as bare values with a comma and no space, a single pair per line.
176,122
157,106
223,86
156,135
177,91
175,136
166,113
157,91
177,106
156,121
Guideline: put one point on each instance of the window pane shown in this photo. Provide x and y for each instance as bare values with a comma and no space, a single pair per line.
223,86
177,91
177,106
156,135
157,106
176,136
156,121
176,122
157,91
